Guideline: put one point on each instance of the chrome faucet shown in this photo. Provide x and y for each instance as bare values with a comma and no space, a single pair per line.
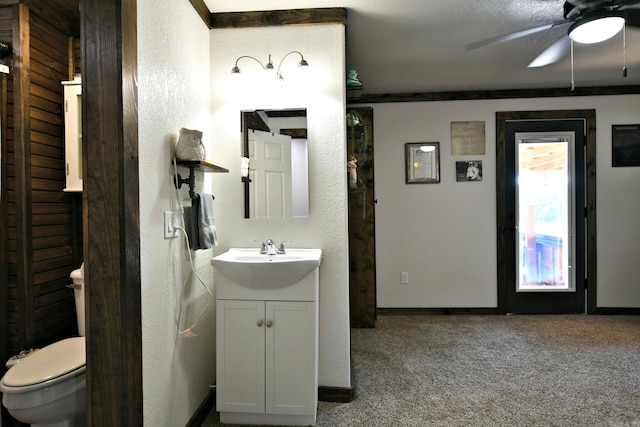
263,246
270,247
281,249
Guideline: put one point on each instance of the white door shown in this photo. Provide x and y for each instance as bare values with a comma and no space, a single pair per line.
270,169
240,364
291,353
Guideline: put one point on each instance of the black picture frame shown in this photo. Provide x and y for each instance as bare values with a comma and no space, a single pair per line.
469,171
625,145
422,162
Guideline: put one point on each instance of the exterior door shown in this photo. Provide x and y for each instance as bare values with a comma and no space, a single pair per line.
545,247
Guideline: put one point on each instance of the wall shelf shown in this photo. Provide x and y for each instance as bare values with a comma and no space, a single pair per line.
205,165
201,165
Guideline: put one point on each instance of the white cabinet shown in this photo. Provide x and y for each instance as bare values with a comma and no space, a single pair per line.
73,134
267,355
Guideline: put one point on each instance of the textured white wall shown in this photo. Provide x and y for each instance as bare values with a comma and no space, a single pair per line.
324,97
444,234
173,92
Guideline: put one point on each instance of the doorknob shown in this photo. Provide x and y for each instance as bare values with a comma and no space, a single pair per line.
260,323
269,323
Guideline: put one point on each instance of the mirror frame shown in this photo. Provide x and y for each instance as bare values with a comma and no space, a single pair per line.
250,120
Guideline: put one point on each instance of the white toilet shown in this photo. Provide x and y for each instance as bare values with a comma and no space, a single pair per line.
48,387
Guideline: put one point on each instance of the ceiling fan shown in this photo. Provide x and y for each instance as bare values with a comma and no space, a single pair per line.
582,17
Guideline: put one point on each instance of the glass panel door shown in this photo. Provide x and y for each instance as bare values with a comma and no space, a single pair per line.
545,213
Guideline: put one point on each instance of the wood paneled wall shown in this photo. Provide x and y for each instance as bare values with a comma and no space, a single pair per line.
44,224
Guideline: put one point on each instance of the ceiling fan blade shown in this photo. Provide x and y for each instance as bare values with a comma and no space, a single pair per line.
516,35
553,53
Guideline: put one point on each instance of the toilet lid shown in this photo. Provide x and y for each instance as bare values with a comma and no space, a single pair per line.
49,362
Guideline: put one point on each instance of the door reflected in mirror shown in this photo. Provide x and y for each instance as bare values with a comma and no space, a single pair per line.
275,141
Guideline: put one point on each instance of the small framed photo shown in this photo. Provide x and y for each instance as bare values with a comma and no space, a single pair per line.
470,170
422,162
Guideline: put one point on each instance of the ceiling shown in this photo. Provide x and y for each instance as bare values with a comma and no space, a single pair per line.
406,46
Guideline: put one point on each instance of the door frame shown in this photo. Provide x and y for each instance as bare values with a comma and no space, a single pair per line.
590,195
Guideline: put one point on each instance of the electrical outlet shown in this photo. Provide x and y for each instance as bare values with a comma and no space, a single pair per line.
404,278
169,228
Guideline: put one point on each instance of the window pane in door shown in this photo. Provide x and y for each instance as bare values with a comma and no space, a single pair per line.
544,214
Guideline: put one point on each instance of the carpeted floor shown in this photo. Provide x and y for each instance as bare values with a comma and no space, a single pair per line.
467,370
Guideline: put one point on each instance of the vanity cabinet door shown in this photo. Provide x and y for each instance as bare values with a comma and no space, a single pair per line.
240,366
291,353
266,357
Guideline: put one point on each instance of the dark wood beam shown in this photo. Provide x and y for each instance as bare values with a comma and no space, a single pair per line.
111,213
4,268
493,94
202,10
22,154
330,15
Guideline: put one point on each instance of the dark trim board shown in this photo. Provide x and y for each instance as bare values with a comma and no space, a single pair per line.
268,18
202,10
436,311
367,99
205,408
336,394
618,311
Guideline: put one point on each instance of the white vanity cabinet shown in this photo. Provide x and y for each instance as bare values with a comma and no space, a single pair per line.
267,353
73,134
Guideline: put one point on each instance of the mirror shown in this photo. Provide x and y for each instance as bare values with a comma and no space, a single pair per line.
275,141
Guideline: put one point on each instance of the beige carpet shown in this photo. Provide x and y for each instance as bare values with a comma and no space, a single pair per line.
472,370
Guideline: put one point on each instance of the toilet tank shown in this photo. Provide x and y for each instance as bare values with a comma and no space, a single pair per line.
77,276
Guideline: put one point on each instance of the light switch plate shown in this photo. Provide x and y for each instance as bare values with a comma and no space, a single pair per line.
404,278
169,230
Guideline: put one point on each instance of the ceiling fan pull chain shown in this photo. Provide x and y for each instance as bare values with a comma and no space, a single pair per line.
573,86
624,49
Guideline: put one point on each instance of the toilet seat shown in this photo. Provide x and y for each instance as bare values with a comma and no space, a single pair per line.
48,366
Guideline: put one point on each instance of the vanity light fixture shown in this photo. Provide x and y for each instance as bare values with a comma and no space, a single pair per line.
269,66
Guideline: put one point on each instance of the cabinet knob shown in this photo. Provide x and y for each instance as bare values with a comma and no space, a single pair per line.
260,323
269,323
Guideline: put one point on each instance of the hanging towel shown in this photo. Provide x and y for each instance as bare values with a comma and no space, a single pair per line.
204,234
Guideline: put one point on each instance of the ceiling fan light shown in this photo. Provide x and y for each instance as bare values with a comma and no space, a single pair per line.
597,30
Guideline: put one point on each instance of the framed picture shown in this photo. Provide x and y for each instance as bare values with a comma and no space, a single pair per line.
625,145
469,171
467,138
422,162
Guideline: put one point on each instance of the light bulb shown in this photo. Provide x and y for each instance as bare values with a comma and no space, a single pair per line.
598,30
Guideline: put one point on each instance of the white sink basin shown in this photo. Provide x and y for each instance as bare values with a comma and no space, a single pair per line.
247,267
